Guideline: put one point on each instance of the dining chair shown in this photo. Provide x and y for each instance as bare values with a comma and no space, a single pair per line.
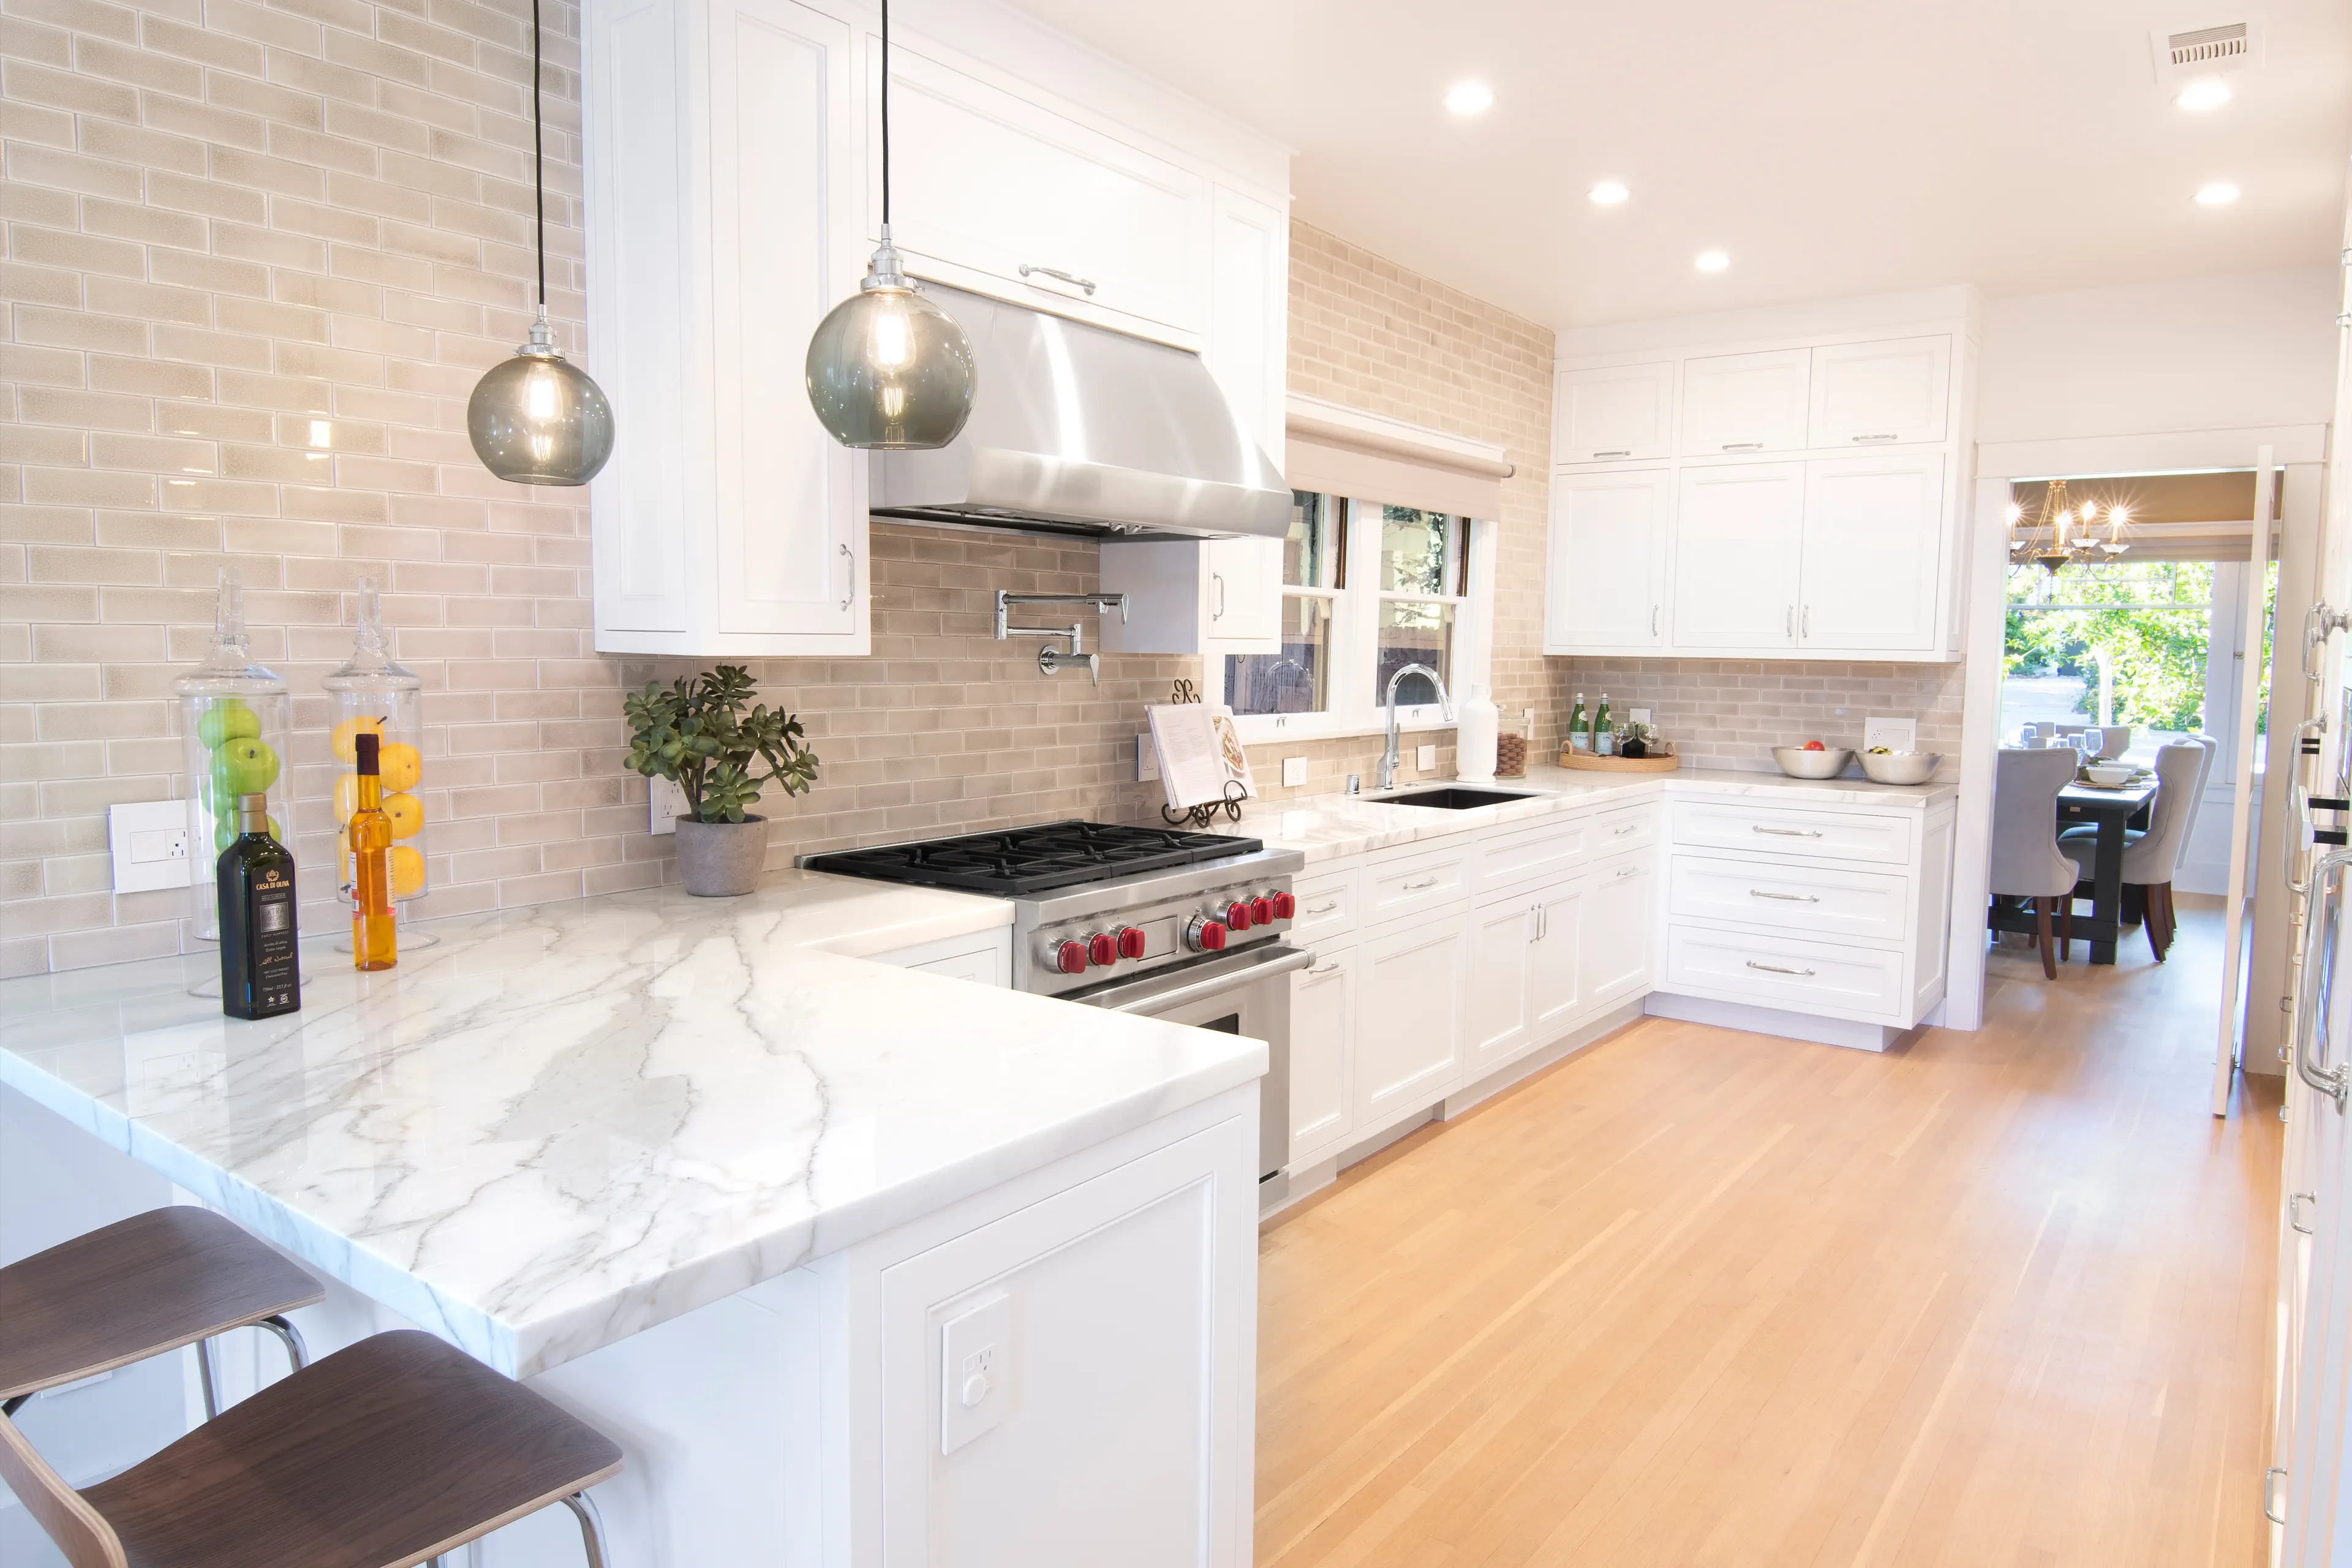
385,1455
2026,861
170,1276
2152,855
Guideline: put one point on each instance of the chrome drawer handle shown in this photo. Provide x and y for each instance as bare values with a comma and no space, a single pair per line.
1620,452
1417,887
1784,897
1629,871
2277,1515
1785,832
1321,970
1629,828
1889,436
1776,969
1323,909
1743,445
850,556
2293,1211
1072,278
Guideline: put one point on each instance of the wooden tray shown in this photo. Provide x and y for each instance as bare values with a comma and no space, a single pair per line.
1584,762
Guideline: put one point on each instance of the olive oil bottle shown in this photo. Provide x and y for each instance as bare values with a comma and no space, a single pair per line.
371,835
261,966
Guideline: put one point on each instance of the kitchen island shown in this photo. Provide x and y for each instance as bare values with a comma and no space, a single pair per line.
710,1176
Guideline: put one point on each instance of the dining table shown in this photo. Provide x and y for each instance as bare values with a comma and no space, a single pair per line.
2111,811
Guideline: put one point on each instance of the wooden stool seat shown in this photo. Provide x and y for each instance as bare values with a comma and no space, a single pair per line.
384,1455
148,1284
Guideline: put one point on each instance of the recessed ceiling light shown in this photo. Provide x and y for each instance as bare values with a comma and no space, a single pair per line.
2219,194
1470,98
1609,193
1713,261
2206,92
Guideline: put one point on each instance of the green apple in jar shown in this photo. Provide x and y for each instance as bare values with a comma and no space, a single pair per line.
228,719
251,764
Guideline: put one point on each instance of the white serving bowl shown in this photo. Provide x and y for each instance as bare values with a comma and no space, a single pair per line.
1901,767
1800,763
2110,773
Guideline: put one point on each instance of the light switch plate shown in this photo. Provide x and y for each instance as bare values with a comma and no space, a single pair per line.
665,804
1293,771
1427,761
149,841
1895,734
1147,760
975,1372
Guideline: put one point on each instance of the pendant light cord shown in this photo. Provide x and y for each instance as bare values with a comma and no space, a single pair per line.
539,159
886,113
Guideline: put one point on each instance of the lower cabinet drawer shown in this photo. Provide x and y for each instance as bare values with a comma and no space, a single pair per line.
1785,830
1415,884
1326,906
1555,847
1627,827
1809,900
1784,972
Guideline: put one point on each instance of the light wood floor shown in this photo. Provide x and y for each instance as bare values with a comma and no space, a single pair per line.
1706,1298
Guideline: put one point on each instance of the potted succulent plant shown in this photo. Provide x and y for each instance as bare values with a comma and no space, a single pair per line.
698,734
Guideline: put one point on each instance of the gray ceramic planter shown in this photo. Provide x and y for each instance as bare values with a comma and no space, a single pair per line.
722,859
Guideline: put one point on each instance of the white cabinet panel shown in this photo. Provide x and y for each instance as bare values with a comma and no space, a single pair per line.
1408,1018
1533,854
1606,561
1830,901
1873,546
1619,929
984,181
1322,1031
1417,882
1882,392
1746,403
1611,415
1559,986
1502,950
1735,543
1786,971
1327,908
1783,830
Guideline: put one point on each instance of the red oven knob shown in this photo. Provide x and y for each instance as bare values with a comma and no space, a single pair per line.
1237,915
1284,906
1261,910
1103,949
1205,935
1070,957
1131,943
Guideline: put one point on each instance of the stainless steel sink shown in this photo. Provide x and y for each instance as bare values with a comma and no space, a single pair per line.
1454,797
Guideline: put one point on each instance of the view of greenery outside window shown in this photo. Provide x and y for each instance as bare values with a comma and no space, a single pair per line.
1299,679
1421,590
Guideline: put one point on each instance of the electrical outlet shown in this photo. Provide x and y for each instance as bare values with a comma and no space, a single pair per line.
1639,715
1426,760
1293,771
1895,734
149,841
975,1372
1147,760
665,804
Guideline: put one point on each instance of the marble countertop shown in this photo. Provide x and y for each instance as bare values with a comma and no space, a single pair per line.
1329,827
560,1125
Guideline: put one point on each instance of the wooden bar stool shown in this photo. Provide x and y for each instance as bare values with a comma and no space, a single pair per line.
382,1455
148,1284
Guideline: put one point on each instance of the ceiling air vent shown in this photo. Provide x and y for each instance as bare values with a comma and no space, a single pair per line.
2206,51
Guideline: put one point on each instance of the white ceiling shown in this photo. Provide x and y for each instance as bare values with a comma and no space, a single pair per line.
1833,148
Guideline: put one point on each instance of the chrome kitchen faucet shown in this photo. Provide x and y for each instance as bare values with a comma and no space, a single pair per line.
1444,705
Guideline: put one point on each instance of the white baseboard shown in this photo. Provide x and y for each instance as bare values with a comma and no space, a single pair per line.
1535,1061
1773,1021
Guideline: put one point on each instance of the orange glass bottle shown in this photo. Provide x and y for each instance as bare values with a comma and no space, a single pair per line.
371,836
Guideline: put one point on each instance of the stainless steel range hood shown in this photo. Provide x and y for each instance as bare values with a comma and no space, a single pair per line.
1079,430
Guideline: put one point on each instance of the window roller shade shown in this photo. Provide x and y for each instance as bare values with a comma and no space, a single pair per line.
1340,451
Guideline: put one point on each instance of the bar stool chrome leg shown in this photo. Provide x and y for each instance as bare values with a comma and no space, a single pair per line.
290,1337
592,1527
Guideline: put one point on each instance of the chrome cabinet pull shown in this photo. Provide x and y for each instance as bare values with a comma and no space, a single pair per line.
1653,620
1629,828
2295,1212
850,556
1322,971
1219,579
1889,436
2319,624
1629,871
1790,629
2277,1515
1785,832
1784,897
1417,887
1805,621
1324,908
1743,445
1543,920
2316,981
1620,452
1072,278
1776,969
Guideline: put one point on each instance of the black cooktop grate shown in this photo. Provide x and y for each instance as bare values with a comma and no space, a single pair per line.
1019,861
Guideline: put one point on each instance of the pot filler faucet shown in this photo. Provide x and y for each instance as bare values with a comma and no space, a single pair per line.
1444,704
1052,660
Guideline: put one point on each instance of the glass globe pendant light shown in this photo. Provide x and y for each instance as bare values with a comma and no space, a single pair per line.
537,418
888,369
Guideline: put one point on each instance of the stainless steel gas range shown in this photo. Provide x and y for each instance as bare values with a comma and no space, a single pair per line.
1188,927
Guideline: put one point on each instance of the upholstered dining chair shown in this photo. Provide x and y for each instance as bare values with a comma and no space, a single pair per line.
2151,856
2026,861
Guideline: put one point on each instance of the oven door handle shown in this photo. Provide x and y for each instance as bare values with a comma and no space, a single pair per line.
1152,996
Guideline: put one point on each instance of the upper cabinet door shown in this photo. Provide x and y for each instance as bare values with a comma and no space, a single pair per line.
1605,565
1874,541
1745,403
1046,211
1624,411
790,501
1736,539
1882,393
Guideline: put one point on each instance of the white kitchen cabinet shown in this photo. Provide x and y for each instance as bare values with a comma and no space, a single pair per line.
1619,930
1872,552
993,190
1606,564
1881,393
1613,413
1560,979
1746,403
723,225
1496,995
1737,531
1322,1025
1409,1023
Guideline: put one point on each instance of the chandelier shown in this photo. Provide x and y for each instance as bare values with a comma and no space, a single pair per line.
2066,533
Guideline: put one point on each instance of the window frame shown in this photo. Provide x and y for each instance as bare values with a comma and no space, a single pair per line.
1355,598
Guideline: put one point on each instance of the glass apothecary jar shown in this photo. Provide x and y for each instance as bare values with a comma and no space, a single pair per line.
374,694
237,722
